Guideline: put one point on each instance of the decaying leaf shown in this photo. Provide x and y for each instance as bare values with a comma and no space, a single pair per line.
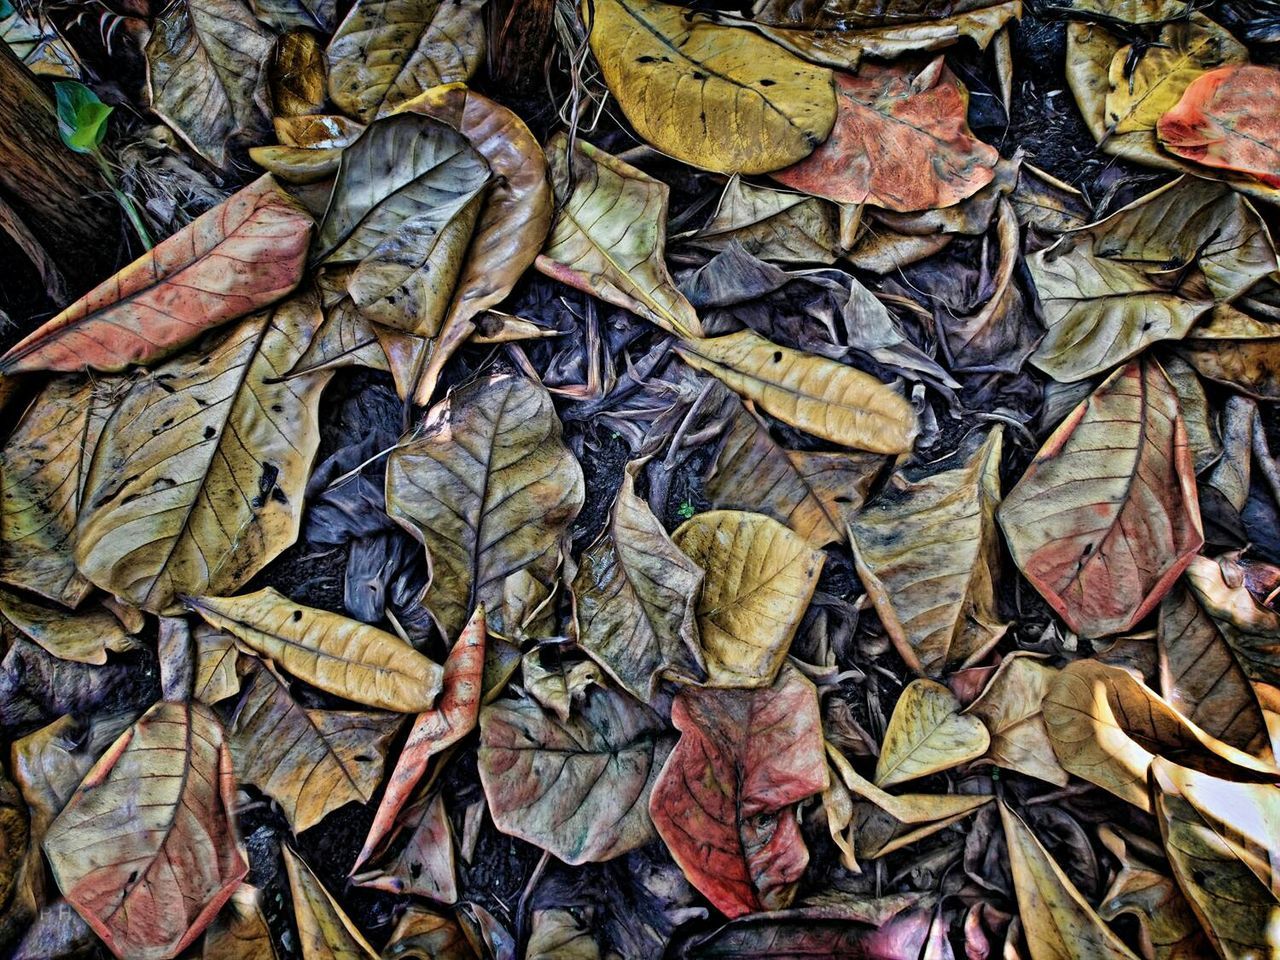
559,935
240,931
724,801
487,463
1106,518
240,256
388,51
85,637
205,61
609,235
636,596
759,577
578,788
425,865
1010,707
927,552
197,480
145,849
216,677
324,929
297,75
774,225
346,658
927,733
901,141
309,761
37,43
823,397
1107,727
423,934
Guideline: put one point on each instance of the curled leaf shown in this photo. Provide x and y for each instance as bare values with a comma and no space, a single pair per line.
324,929
1010,706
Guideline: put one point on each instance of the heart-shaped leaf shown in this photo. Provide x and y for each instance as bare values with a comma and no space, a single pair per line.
82,117
927,734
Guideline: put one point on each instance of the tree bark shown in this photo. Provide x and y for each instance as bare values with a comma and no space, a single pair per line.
59,194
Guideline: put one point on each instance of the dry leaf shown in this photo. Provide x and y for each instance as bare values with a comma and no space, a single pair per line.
297,75
424,935
85,637
240,931
324,930
774,225
216,677
425,864
346,658
927,734
759,578
1105,519
1010,707
559,935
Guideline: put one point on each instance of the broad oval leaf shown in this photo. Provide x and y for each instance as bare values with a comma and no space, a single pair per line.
609,235
490,489
635,596
325,931
388,51
577,788
759,578
724,802
1107,727
205,63
716,97
197,481
344,657
901,141
823,397
311,762
145,849
242,255
927,734
1106,518
928,553
1217,123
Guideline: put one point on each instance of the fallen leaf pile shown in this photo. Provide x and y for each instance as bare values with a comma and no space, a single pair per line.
703,491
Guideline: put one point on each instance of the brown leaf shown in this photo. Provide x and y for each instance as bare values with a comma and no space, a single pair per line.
425,865
297,75
324,930
1010,706
240,931
1217,123
424,935
901,141
723,802
241,255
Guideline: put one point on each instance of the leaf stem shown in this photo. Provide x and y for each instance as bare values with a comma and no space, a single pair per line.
125,201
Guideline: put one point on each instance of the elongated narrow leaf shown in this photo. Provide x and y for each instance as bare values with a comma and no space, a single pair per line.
577,788
489,488
240,931
1105,519
434,730
197,481
636,594
759,577
145,850
311,762
720,98
1058,921
928,553
823,397
43,470
901,141
324,930
240,256
388,51
609,235
928,733
724,802
344,657
204,73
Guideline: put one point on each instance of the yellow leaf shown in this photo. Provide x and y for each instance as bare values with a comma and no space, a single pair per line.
324,930
84,637
240,931
927,734
1010,706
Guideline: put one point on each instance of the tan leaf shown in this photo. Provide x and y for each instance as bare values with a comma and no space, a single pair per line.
216,677
636,595
774,225
489,488
240,931
1106,518
197,481
609,235
346,338
424,935
927,734
346,658
1010,707
759,578
388,51
424,865
928,553
670,72
84,637
828,399
145,849
325,932
558,935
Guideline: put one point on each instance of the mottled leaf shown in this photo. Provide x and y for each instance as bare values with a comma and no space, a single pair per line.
1217,123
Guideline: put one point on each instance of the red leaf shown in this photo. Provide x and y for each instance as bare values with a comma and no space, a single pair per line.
1226,118
723,801
243,254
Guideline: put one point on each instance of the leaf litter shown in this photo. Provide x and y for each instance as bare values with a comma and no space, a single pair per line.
627,481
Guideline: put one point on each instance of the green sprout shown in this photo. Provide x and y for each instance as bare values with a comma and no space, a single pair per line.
685,510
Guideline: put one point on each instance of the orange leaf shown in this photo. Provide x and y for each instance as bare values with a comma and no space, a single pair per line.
1226,119
238,257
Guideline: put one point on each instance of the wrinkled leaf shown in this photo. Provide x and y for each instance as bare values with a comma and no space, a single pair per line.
85,637
774,225
424,935
297,75
927,734
425,865
1010,707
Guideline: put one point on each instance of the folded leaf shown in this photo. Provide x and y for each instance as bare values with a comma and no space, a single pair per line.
197,481
759,578
928,553
240,256
145,849
1106,518
325,932
424,865
489,488
240,931
346,658
927,734
1010,706
828,399
609,235
636,594
774,225
578,788
85,637
724,801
